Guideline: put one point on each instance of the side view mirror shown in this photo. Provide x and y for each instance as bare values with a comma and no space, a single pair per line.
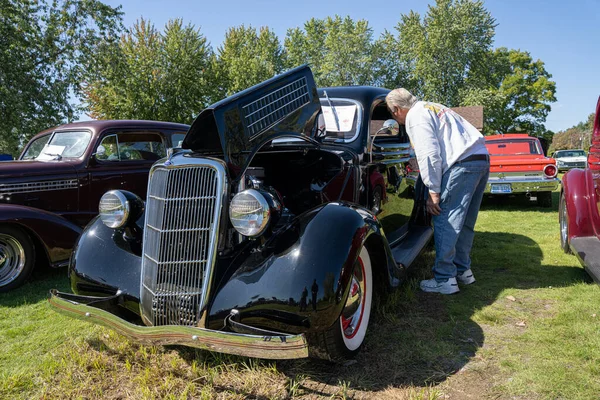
390,127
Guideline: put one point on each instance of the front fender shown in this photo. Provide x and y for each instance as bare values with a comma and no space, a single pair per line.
580,198
106,260
56,234
298,281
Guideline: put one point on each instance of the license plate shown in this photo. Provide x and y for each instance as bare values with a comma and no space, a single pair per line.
501,188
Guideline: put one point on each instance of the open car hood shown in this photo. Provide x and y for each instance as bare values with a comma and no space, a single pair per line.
236,127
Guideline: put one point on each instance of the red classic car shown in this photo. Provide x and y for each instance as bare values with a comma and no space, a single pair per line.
518,166
579,210
53,189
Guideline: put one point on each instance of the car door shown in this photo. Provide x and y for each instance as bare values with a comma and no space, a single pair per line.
105,171
122,160
393,170
138,150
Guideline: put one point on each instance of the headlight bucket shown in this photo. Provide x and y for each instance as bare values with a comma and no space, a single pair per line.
251,211
118,207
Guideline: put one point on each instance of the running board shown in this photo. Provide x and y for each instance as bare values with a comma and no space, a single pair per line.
587,250
408,249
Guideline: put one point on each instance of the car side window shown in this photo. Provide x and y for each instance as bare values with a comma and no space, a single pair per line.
378,117
131,146
141,146
108,149
177,139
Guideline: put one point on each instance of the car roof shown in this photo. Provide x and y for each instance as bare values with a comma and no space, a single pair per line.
97,126
362,94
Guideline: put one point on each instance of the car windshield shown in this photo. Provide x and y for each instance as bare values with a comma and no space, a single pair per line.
569,153
511,147
342,121
59,145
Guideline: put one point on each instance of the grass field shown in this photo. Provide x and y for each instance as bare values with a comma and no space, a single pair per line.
529,328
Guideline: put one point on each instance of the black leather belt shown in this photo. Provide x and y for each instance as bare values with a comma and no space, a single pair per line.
475,157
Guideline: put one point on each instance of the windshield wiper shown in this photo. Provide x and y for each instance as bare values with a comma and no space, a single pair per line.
54,155
335,115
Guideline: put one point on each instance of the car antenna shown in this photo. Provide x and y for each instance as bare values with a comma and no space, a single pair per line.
337,120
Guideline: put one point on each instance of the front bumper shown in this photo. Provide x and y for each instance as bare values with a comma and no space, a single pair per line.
521,185
271,345
571,165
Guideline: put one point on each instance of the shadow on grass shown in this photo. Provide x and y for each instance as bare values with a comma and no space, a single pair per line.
420,339
517,203
37,286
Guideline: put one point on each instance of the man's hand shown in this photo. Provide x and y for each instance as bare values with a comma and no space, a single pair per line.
433,204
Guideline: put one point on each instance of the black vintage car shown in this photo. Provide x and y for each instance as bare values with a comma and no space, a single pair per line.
264,236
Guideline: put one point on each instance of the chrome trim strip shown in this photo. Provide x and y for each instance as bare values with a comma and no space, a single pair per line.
43,186
270,347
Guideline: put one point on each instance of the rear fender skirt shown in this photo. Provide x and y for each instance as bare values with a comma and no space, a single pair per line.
56,234
298,280
580,197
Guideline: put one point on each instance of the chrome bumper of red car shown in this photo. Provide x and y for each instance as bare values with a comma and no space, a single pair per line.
508,186
275,346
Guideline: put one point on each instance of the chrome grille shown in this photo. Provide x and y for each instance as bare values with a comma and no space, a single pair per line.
38,186
182,213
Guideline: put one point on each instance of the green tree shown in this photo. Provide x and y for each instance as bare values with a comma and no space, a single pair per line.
435,53
575,137
43,46
148,74
339,50
515,90
247,57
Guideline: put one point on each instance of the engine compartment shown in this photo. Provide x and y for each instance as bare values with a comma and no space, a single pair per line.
298,176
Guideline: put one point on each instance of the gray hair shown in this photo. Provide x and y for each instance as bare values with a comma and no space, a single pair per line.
400,98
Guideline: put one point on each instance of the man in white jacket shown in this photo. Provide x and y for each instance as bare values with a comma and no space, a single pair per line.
454,165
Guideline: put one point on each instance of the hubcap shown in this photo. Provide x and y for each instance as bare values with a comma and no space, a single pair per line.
12,259
354,308
563,222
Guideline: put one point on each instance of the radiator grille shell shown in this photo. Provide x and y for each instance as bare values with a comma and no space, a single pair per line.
183,210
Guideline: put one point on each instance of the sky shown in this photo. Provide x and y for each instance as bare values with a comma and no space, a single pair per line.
565,35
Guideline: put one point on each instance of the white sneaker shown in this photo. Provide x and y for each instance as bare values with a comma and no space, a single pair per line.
433,286
466,278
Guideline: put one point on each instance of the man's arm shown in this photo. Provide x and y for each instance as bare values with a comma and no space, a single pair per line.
429,158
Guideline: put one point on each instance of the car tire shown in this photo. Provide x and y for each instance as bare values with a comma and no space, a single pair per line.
343,340
563,222
544,199
17,257
376,200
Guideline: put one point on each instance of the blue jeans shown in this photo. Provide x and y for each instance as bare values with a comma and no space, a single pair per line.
461,194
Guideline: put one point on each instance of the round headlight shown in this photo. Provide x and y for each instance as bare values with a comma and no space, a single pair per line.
114,209
249,212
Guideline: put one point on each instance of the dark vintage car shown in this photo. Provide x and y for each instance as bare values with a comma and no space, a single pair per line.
579,210
53,189
264,237
518,166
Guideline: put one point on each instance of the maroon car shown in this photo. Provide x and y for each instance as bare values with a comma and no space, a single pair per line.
53,189
579,212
